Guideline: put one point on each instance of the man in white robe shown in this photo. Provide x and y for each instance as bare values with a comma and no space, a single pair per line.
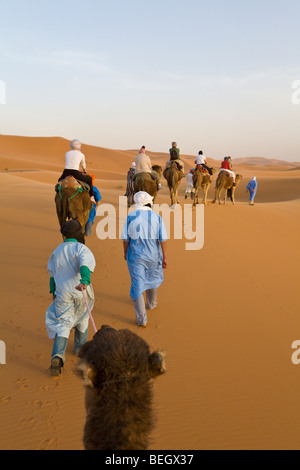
69,267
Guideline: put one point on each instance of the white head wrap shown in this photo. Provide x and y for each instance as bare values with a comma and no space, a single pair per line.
75,144
254,178
133,165
142,198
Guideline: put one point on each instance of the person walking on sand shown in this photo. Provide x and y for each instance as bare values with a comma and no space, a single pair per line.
145,250
190,185
73,160
70,267
252,188
92,215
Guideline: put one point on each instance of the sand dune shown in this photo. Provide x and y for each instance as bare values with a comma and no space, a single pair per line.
227,314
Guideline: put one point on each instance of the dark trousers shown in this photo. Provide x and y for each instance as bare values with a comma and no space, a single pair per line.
79,176
206,167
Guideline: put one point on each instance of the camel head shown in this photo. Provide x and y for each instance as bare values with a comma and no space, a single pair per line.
158,169
117,356
238,178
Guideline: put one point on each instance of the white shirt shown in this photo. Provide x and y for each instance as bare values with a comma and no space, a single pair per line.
68,308
64,266
74,158
200,159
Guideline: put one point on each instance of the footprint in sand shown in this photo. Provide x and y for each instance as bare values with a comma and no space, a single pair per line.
47,444
21,383
48,388
36,357
12,307
18,346
28,421
5,400
51,405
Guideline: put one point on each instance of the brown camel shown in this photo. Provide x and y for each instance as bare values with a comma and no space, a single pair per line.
225,182
145,182
117,368
203,181
173,177
72,202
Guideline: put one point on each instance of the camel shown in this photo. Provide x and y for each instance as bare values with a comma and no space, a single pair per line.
145,182
173,177
117,368
224,181
201,180
72,202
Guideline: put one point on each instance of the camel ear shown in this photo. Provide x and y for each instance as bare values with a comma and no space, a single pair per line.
87,372
157,363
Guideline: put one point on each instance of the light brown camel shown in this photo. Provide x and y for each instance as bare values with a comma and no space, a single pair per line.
173,177
225,182
118,369
145,182
72,202
203,181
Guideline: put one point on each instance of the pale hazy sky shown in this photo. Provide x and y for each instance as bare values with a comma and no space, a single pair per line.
215,75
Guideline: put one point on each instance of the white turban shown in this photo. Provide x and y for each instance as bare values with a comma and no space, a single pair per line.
142,198
75,144
133,165
254,178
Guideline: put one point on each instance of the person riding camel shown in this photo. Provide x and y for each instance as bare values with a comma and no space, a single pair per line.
202,161
143,165
142,162
74,159
175,156
226,166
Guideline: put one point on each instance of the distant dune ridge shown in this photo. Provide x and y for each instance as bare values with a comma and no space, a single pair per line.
227,330
55,147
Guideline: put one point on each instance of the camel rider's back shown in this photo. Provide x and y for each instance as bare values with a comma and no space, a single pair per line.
175,157
143,164
74,159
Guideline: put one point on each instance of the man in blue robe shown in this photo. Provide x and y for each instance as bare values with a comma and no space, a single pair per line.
252,188
145,250
92,215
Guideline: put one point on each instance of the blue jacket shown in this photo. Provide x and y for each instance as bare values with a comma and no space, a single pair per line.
98,198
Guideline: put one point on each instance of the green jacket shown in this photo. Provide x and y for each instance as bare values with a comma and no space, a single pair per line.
176,150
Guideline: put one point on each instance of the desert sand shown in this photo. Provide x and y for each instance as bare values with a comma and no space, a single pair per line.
227,315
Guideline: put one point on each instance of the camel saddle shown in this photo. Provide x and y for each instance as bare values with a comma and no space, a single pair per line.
202,169
71,182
